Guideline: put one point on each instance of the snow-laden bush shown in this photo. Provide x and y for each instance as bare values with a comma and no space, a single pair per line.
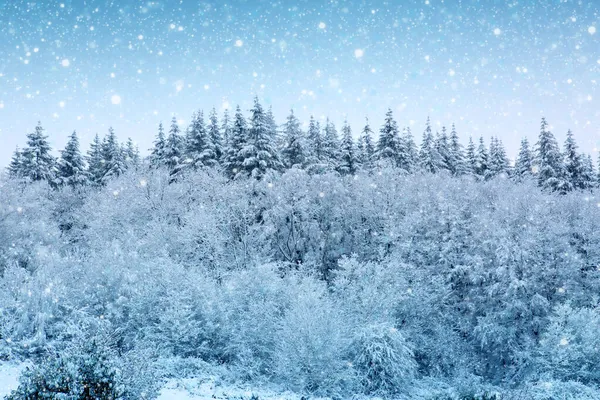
383,359
558,390
311,346
569,349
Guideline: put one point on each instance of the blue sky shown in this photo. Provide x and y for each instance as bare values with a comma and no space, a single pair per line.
491,67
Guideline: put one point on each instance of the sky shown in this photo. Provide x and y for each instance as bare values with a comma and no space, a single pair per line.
492,67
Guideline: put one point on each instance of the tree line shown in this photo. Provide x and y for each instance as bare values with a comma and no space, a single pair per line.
253,146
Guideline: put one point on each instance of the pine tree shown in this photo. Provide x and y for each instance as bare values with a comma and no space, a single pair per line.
524,163
276,138
315,142
498,161
573,163
174,150
389,145
587,173
259,153
549,162
233,160
348,164
411,156
482,159
366,147
132,153
330,144
157,154
95,162
471,157
215,134
442,145
293,152
15,168
38,163
225,130
200,150
429,157
113,157
457,162
71,166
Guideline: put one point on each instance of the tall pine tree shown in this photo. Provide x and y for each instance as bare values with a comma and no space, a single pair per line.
293,152
524,163
348,163
549,162
200,149
113,157
573,163
15,168
38,163
233,159
215,134
71,166
429,157
389,144
174,150
95,162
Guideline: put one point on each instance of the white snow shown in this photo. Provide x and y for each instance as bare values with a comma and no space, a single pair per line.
9,377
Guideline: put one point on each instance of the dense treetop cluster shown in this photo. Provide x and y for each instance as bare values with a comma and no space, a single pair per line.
253,146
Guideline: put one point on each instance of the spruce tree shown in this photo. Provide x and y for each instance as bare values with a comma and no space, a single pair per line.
215,134
389,145
524,163
366,147
157,154
113,157
498,161
259,153
174,150
549,162
457,162
573,163
348,164
71,166
225,130
293,152
411,156
442,145
587,173
429,157
471,157
482,159
38,163
330,144
15,168
315,142
200,150
132,153
233,160
95,162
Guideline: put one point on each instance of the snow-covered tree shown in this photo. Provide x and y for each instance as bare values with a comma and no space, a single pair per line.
366,146
442,145
456,160
215,134
389,145
132,153
294,151
524,162
587,176
15,168
411,152
233,159
482,163
71,165
225,129
174,152
113,157
549,162
471,157
200,149
429,157
348,163
573,163
157,153
330,144
498,161
95,162
314,142
38,163
259,153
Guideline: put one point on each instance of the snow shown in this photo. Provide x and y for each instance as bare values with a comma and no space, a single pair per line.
210,389
9,377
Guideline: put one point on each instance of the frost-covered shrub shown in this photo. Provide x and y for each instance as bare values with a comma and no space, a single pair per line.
311,346
558,390
383,359
569,349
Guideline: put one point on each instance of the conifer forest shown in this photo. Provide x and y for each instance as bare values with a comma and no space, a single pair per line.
268,199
